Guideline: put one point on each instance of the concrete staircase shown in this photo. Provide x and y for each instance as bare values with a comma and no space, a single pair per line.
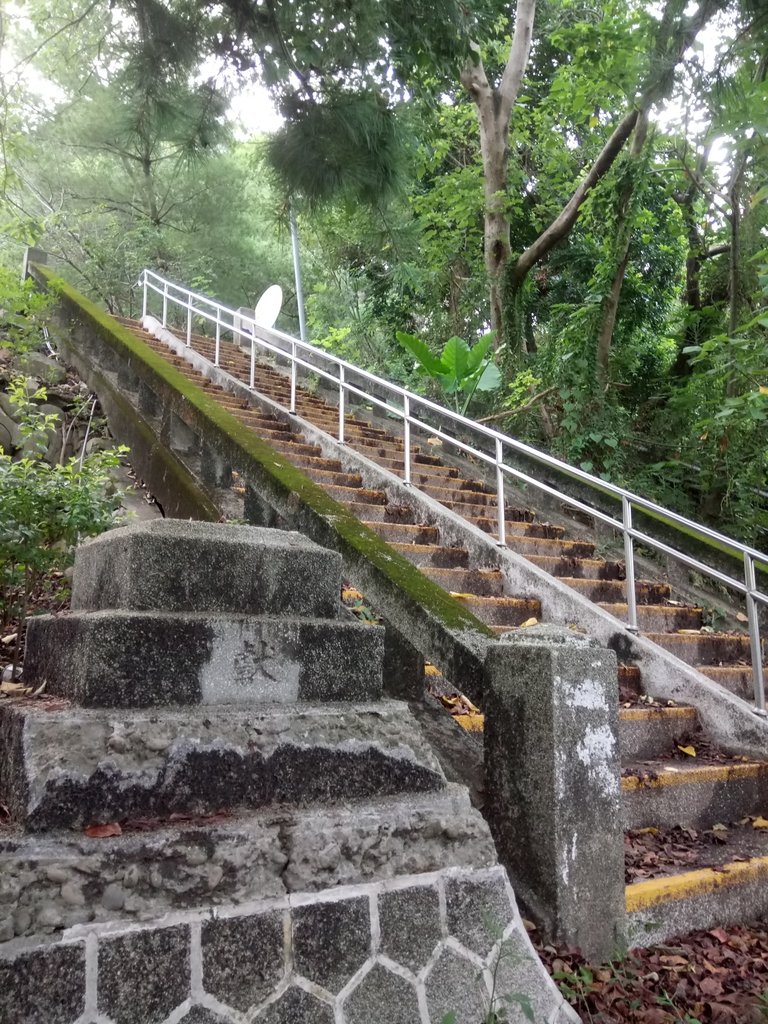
217,816
658,787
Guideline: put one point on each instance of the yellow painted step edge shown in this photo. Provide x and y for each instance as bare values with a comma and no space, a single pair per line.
694,774
692,884
656,711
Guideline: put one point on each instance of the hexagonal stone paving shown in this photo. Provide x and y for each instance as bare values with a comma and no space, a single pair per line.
409,920
129,992
331,941
478,912
295,1006
454,985
43,986
520,970
202,1015
382,995
243,958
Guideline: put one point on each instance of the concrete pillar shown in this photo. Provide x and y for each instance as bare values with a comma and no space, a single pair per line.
553,783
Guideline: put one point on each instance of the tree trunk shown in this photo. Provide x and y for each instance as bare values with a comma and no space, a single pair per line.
624,230
494,110
675,35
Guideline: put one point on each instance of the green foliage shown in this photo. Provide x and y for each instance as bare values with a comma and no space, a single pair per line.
461,371
45,510
24,311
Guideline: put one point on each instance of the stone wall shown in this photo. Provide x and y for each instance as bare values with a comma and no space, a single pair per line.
410,950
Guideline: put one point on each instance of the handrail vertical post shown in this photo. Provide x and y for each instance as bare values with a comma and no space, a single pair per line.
165,303
144,296
341,404
189,320
217,355
501,507
293,377
253,361
629,563
754,632
406,440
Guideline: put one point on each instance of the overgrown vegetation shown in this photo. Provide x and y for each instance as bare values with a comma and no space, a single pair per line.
618,244
50,496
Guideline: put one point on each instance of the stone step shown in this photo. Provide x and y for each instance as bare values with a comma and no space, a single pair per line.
736,678
548,548
664,794
433,555
652,732
479,582
630,677
68,878
267,433
352,427
660,908
420,472
704,648
503,611
517,527
614,591
293,447
381,513
310,462
144,659
662,618
575,566
465,492
214,567
360,495
406,534
334,477
75,767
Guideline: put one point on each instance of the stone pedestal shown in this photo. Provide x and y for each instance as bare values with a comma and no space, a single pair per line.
221,820
553,783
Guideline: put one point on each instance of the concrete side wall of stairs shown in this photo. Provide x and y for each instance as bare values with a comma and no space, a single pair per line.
211,445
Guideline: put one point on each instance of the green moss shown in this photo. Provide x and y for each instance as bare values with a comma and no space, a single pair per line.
353,535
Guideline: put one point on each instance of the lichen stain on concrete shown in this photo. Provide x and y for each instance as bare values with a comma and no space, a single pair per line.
588,694
597,751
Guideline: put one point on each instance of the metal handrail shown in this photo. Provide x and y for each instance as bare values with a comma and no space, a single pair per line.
400,403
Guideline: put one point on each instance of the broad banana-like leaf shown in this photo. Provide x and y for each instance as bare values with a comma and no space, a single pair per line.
479,351
454,358
426,358
490,378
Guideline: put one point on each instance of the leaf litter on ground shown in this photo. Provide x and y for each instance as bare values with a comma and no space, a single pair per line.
715,976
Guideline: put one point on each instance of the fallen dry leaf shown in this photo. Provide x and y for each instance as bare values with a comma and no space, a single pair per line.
17,689
529,622
9,639
112,828
741,617
472,723
689,750
760,823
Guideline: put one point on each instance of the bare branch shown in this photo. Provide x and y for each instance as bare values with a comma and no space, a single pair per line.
518,55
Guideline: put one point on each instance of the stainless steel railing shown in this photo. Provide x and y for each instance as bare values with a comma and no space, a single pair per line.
403,404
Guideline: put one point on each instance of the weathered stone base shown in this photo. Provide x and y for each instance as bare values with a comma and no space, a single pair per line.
144,659
50,883
207,567
406,951
65,769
